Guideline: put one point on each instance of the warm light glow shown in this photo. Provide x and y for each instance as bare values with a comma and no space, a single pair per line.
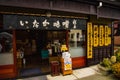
100,4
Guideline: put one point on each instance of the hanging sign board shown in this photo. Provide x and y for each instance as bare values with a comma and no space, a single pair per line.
109,35
89,40
106,35
95,28
40,22
101,35
109,40
103,38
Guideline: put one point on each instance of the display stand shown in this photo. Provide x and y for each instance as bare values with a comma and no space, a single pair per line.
66,62
67,71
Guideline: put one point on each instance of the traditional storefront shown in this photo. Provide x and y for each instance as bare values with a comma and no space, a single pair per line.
88,42
33,29
36,34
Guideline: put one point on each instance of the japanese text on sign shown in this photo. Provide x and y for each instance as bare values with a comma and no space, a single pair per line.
89,40
95,36
106,35
101,35
42,22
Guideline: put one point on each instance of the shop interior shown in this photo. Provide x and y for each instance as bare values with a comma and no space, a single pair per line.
36,48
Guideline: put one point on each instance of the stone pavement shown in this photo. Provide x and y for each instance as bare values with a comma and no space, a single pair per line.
88,73
99,77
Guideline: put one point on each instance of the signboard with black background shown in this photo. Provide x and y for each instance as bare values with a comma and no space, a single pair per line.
48,23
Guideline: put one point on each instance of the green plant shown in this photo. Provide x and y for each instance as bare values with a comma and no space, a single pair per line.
117,54
106,62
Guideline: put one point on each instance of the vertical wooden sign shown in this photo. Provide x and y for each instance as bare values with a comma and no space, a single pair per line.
106,35
109,36
103,38
95,36
101,35
89,40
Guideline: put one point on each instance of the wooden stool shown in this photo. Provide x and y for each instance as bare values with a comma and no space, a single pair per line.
55,69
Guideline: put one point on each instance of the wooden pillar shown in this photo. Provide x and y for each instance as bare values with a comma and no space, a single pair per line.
15,52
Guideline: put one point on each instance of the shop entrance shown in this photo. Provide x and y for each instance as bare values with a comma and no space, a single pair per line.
33,46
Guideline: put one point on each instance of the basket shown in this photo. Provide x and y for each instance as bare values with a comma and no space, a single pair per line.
103,70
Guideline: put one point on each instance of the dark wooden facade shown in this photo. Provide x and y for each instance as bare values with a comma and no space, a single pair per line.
76,6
